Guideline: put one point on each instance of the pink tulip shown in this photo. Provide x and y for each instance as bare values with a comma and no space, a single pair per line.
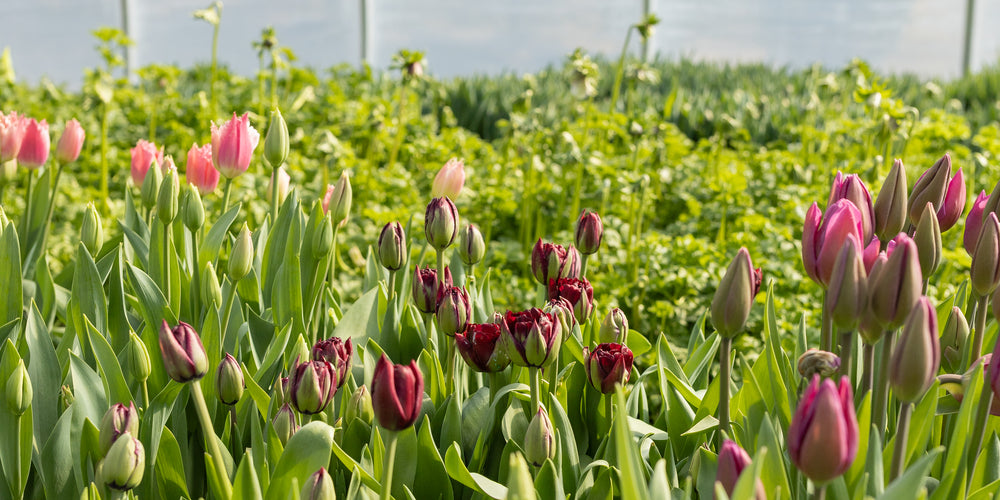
732,460
824,235
35,146
143,155
974,222
233,144
200,171
11,135
70,142
853,189
823,435
953,204
449,180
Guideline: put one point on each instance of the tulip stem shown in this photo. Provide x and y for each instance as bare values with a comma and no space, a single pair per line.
847,355
227,311
390,460
724,368
195,277
980,325
333,256
881,399
553,370
48,215
225,196
233,441
210,439
826,334
979,425
145,395
440,266
392,285
820,492
118,494
868,360
274,194
166,263
609,408
902,433
533,373
450,369
27,210
583,265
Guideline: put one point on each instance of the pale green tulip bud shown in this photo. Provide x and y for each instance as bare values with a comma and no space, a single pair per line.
539,440
229,383
614,328
734,297
928,240
891,203
318,486
360,406
138,363
123,467
241,258
847,294
276,142
211,291
323,238
19,390
151,186
956,331
166,200
194,209
92,231
471,247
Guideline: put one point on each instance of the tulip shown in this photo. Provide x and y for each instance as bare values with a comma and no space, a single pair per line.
193,210
241,258
614,328
974,222
956,332
896,286
426,286
151,187
118,420
471,247
338,352
562,309
530,337
360,406
338,198
229,382
817,362
578,292
449,180
734,296
34,150
70,142
454,308
397,394
824,235
917,356
891,203
276,142
392,246
478,347
550,261
539,439
953,204
232,145
91,230
318,486
607,366
143,155
323,238
284,424
732,460
18,390
183,355
312,386
125,463
210,288
283,180
200,171
946,193
847,295
441,223
167,199
853,189
137,358
589,232
985,269
927,237
12,128
823,434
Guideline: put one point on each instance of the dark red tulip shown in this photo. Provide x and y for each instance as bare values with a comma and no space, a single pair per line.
530,337
607,366
397,394
478,347
338,352
312,386
183,355
578,292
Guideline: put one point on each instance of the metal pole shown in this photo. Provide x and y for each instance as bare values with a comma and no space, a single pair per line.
970,7
366,42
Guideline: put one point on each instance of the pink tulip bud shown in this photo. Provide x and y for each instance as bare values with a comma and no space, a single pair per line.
824,235
200,171
930,187
891,202
985,269
951,207
853,189
233,144
449,180
397,394
183,353
70,142
12,127
823,434
35,146
917,356
896,287
732,460
589,232
143,155
974,222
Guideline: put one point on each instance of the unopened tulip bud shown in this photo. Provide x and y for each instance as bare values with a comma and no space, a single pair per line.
338,352
138,363
229,383
985,268
897,286
318,486
338,199
123,466
953,204
891,203
232,145
151,186
531,338
279,392
539,439
426,286
453,310
276,141
392,246
614,328
283,181
441,223
194,209
166,200
19,390
360,406
589,232
562,309
930,187
578,292
211,291
449,180
852,188
823,434
471,247
284,424
974,223
956,331
118,420
34,150
734,296
397,394
70,142
183,354
323,238
847,295
66,398
928,240
313,384
241,258
607,366
917,356
92,231
817,362
732,460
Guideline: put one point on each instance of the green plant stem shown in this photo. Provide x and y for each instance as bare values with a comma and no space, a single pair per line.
333,257
902,433
847,354
979,426
495,383
166,262
450,369
868,362
826,334
553,373
534,383
620,72
233,442
725,346
211,443
228,310
609,410
274,193
392,285
440,266
225,196
880,402
145,395
980,326
400,125
389,463
429,332
28,195
583,265
117,494
820,492
195,277
48,212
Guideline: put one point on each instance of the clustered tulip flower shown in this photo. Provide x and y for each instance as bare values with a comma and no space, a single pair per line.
578,292
426,287
607,366
824,235
823,434
530,337
338,352
397,394
200,171
449,180
312,386
550,261
12,127
946,193
183,354
478,347
232,145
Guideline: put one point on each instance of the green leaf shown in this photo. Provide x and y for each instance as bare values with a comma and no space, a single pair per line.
116,389
46,377
478,482
911,482
10,275
307,451
57,459
170,479
672,375
210,248
548,483
633,480
245,484
433,481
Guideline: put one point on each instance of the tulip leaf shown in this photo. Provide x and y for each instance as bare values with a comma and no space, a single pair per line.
210,248
633,480
433,480
115,387
283,233
746,485
259,396
672,375
638,343
451,427
858,467
88,292
570,461
153,309
245,484
922,423
170,478
307,450
11,296
366,477
478,482
57,459
659,485
46,377
140,249
773,473
357,317
547,481
911,482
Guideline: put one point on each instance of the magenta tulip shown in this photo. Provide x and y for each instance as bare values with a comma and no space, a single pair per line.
530,337
732,460
183,354
577,292
233,144
853,189
823,434
200,171
974,222
35,146
824,235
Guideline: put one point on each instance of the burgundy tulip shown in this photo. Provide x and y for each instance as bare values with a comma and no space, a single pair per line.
338,352
974,222
478,347
312,386
607,366
530,337
550,261
454,308
578,292
183,354
397,394
823,434
426,286
589,232
732,460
